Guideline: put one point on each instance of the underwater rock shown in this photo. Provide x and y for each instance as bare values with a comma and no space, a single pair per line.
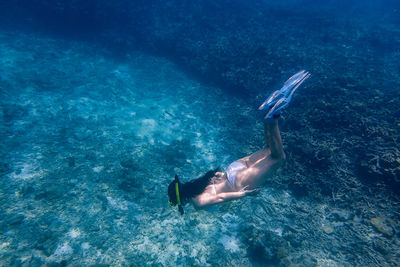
377,168
26,190
176,153
71,161
383,225
43,236
35,261
267,248
327,229
128,163
51,192
82,135
307,260
13,112
322,157
48,244
128,185
295,240
15,219
380,246
339,215
62,263
104,201
4,168
312,156
298,189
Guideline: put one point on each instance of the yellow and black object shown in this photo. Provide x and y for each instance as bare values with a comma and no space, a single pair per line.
174,194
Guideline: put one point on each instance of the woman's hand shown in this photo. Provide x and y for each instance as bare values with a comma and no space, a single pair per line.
250,192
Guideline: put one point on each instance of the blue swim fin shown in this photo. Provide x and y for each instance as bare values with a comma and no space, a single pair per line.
279,99
286,91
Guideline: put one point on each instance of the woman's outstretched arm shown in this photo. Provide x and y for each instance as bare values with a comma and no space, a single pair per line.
205,200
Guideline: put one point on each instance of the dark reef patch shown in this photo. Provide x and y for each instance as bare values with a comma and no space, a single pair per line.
266,248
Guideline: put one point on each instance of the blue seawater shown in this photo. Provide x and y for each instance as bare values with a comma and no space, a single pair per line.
102,102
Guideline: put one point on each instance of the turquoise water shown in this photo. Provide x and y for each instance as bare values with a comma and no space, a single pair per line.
93,128
87,164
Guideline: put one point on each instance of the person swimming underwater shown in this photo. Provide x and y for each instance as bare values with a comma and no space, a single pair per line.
245,175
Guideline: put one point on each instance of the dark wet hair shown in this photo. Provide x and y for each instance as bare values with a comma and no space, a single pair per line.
190,189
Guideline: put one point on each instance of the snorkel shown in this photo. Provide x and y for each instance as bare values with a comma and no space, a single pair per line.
177,195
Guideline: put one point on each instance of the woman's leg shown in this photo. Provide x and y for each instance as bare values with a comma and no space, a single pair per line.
263,163
256,156
274,144
258,172
273,138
